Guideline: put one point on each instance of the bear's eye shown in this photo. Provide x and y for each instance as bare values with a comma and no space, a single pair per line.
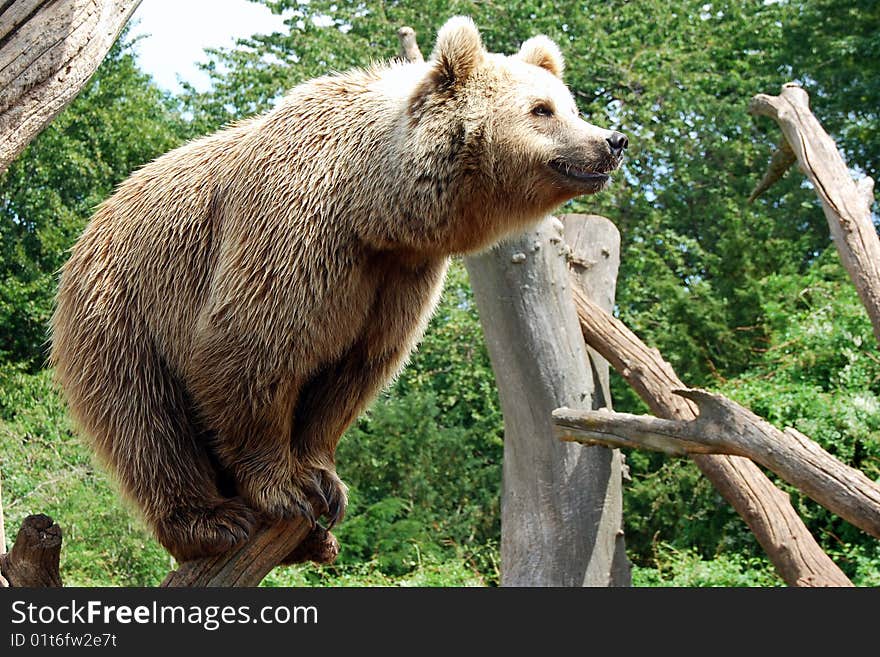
542,109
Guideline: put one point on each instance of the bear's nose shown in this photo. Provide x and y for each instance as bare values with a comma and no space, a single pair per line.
618,143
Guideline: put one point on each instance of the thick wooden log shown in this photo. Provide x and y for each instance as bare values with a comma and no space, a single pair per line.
847,204
33,561
724,427
48,51
766,510
594,259
550,513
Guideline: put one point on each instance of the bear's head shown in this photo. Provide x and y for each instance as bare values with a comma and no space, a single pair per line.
508,131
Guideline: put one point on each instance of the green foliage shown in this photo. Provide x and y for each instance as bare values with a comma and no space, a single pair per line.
833,47
823,364
119,122
685,567
818,372
46,469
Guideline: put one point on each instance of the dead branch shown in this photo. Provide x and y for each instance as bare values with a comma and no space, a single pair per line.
34,558
780,162
766,510
725,427
847,204
248,564
48,51
409,47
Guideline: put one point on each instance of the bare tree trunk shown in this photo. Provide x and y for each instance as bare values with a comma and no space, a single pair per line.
550,513
766,510
48,51
594,260
847,204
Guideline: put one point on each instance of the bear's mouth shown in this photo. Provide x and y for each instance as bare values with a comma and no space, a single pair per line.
574,172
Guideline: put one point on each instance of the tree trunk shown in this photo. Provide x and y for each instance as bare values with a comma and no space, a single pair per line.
551,514
48,52
766,510
593,262
847,204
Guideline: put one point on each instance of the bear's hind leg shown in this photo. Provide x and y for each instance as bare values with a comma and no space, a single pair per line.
143,429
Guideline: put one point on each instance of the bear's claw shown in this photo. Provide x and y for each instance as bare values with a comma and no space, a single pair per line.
335,494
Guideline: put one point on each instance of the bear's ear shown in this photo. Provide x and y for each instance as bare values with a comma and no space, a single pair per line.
459,50
541,51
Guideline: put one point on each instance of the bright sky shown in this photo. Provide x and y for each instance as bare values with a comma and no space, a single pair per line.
180,30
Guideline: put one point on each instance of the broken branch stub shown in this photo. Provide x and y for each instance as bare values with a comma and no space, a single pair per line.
33,561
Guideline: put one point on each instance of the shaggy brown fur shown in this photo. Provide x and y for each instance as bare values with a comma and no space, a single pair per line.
234,306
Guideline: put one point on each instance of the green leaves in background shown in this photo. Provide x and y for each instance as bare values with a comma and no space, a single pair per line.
748,299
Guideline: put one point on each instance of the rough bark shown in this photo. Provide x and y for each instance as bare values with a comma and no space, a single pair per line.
248,564
550,514
847,204
724,427
34,558
594,259
48,51
766,510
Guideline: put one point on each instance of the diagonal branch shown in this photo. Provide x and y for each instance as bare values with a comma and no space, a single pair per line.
766,510
248,564
847,204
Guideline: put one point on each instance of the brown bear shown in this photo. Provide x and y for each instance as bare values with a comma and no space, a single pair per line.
237,302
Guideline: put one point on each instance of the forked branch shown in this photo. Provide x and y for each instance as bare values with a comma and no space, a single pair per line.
767,510
725,427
